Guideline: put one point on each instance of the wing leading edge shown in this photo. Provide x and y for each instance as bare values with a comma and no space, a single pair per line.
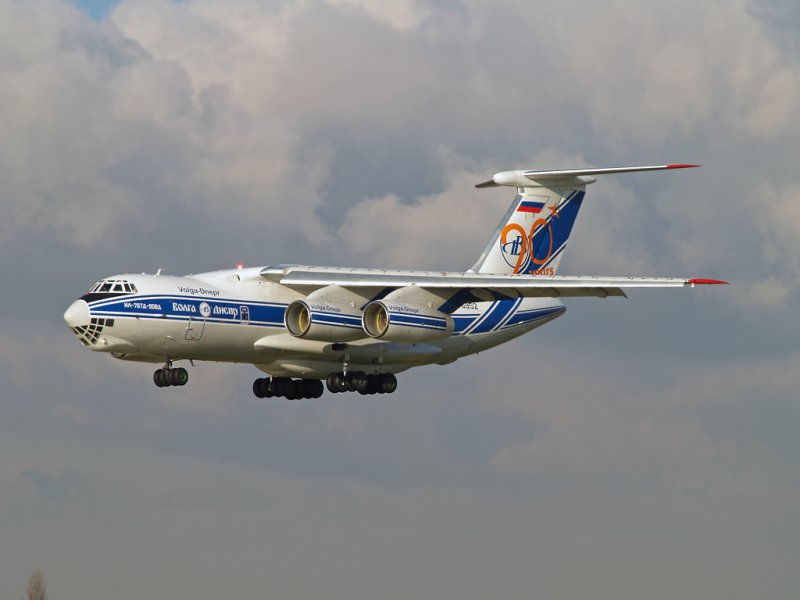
510,285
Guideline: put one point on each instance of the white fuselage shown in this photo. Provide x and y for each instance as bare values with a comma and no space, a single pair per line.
238,316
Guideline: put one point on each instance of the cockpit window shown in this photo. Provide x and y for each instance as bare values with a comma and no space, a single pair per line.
114,286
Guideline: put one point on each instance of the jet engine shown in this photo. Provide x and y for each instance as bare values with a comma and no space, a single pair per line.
405,322
323,321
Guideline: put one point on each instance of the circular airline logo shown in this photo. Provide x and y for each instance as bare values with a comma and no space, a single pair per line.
518,247
205,310
511,247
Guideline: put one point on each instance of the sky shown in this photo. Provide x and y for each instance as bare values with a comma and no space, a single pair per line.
640,447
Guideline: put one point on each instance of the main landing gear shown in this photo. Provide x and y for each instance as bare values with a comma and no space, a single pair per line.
291,389
295,389
358,381
168,376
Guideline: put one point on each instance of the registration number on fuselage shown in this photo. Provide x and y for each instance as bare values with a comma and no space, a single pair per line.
142,305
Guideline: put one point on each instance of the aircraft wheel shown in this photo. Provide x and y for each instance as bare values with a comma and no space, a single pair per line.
388,383
162,378
350,381
280,385
312,388
294,389
178,376
332,385
262,387
339,383
358,381
372,384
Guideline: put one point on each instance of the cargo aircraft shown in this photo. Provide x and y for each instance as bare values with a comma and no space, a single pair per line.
355,329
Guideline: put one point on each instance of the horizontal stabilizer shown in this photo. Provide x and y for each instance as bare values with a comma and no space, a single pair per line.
531,178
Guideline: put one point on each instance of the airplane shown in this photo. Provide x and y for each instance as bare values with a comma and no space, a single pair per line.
356,329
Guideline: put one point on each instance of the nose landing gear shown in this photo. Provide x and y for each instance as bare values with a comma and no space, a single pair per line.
168,376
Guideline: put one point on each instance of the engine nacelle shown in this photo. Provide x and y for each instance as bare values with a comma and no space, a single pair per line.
323,321
405,322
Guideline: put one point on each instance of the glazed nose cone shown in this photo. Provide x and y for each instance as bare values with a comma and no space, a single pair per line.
77,314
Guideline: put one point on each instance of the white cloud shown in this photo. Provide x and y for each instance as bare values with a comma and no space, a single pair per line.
235,117
403,15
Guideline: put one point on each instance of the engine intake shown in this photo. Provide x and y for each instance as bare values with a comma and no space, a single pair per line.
405,322
323,321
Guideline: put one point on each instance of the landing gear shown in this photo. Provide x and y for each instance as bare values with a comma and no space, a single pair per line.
358,381
167,376
291,389
295,389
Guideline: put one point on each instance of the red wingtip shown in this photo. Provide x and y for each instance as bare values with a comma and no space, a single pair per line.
682,166
708,282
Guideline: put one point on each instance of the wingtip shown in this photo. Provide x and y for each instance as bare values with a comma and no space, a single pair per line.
682,166
699,281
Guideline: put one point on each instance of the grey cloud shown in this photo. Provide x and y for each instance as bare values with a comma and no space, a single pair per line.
54,486
637,447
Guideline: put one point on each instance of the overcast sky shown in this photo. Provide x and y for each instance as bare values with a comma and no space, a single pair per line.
639,448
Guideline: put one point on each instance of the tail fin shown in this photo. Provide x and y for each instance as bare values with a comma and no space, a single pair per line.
533,233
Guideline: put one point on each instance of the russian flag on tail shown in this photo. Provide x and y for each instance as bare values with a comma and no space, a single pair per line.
530,206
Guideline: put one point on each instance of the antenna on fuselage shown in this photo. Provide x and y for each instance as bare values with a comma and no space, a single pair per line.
158,273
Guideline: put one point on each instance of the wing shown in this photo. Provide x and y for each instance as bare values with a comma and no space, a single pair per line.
480,285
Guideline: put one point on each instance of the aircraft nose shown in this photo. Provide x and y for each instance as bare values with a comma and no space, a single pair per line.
77,314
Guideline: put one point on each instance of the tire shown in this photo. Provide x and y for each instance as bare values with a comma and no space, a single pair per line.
312,388
262,387
341,384
349,382
388,383
179,376
162,378
359,381
331,384
372,384
280,385
294,389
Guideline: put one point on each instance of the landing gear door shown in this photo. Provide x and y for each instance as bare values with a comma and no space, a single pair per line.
197,324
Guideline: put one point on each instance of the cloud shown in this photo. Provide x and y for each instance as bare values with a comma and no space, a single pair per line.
54,486
184,134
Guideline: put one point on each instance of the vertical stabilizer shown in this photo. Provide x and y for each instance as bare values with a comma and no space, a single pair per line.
534,232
